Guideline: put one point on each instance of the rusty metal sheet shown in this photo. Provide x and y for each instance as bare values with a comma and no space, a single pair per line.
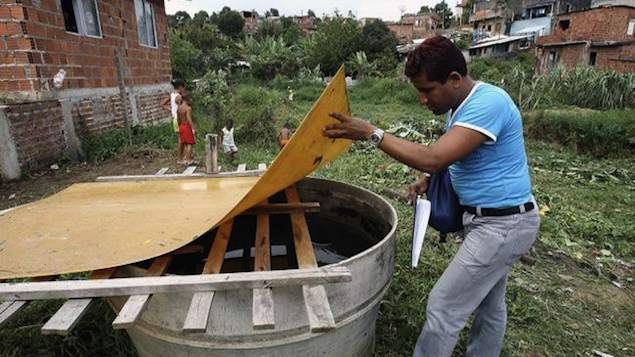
92,226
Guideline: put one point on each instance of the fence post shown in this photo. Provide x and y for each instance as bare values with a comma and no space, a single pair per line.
211,153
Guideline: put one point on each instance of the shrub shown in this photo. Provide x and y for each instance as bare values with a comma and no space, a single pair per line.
605,133
384,90
253,114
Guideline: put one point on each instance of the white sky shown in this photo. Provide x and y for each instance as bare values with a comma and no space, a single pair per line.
387,9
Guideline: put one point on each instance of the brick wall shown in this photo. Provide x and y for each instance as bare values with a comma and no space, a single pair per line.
38,132
35,45
617,58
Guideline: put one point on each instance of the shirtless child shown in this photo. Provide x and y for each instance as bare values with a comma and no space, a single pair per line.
284,135
186,128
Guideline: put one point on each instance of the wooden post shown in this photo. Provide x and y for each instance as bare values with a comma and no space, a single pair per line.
211,153
121,81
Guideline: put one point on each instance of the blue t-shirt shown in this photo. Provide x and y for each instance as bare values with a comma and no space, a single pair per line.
495,175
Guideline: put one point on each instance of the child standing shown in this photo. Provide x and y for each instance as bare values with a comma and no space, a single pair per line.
227,137
186,128
169,103
284,135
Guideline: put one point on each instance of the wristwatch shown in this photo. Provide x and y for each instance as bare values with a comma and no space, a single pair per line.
376,137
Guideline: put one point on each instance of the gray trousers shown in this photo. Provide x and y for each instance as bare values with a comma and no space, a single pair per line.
475,282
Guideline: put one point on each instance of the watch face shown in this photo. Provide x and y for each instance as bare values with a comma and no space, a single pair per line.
374,138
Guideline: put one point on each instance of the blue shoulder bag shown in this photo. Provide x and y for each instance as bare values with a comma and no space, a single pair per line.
446,214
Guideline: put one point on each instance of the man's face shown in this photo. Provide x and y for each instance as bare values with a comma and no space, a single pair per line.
434,95
180,89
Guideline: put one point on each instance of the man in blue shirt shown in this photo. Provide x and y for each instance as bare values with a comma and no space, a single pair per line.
484,151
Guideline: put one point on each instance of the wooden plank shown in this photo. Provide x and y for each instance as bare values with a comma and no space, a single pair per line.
262,166
241,167
134,306
188,249
315,297
11,310
211,153
262,309
162,171
69,314
68,289
5,305
248,173
189,170
198,313
283,208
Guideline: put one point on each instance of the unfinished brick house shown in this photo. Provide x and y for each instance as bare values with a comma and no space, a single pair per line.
412,26
602,37
65,67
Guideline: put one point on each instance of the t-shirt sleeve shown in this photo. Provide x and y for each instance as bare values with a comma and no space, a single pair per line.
485,114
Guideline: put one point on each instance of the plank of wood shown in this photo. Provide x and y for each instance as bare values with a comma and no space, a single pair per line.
68,289
211,153
241,167
247,173
134,306
188,249
262,309
198,313
262,166
69,314
189,170
315,297
162,171
10,310
283,208
5,305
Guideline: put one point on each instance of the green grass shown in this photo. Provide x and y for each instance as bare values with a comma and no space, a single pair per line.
564,305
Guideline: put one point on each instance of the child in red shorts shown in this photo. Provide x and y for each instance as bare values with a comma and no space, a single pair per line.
186,128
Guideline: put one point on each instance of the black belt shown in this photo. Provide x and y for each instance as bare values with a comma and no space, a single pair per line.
500,211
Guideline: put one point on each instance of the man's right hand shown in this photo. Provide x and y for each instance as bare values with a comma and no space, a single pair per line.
417,188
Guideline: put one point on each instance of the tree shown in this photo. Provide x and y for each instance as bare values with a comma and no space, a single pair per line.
310,13
291,31
378,38
185,57
200,18
444,13
230,22
425,10
179,19
332,44
274,12
360,66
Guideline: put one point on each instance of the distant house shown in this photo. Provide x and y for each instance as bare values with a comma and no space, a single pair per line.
412,26
499,46
74,67
251,21
488,18
601,37
307,23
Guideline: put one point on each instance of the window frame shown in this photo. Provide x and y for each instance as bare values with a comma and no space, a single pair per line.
154,25
78,10
630,29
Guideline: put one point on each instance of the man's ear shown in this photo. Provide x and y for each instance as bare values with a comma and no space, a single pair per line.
455,79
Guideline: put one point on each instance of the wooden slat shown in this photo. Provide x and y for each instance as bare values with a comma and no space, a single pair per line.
69,289
198,313
283,208
10,310
124,178
315,297
189,170
262,310
162,171
262,167
68,315
211,153
134,306
241,167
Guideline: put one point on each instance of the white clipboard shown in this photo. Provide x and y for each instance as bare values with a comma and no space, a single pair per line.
421,217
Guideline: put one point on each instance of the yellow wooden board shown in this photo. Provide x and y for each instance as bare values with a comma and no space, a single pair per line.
91,226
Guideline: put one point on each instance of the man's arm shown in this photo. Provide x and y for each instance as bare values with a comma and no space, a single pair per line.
451,146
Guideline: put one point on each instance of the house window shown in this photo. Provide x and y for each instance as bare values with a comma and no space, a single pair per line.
553,59
489,27
592,58
81,17
145,23
631,27
564,24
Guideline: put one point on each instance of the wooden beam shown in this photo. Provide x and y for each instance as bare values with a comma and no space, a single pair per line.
8,309
68,315
315,297
262,308
189,170
198,313
134,306
162,171
283,208
68,289
248,173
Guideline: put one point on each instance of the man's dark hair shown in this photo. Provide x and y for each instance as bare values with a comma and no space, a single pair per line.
438,57
178,83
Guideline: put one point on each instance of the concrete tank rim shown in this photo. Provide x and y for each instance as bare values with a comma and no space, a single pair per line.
387,236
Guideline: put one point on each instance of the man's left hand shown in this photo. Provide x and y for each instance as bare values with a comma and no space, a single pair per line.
348,128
